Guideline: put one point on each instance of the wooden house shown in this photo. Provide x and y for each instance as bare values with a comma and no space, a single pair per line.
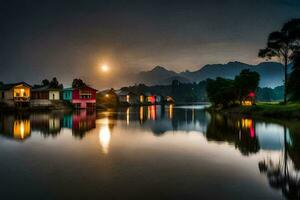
249,100
15,94
44,95
153,98
83,97
129,98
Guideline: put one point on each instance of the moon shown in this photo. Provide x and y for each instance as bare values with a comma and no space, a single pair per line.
104,68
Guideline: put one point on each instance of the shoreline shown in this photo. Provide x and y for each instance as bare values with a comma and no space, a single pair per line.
262,110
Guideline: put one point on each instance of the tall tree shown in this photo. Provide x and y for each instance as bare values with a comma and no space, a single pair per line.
294,79
221,91
246,82
54,83
45,82
77,83
281,45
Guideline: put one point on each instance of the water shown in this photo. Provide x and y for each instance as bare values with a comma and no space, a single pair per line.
147,153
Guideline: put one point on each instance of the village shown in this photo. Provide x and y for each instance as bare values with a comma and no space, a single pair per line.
22,95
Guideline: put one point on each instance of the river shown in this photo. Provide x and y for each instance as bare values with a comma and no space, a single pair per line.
152,152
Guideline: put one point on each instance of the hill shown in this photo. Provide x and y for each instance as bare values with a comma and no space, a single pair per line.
271,73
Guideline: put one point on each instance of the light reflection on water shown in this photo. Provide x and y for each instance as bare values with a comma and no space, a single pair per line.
145,147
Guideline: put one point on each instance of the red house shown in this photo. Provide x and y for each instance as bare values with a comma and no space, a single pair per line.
84,97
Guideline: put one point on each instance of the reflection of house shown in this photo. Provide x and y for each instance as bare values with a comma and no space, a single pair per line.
46,123
82,122
15,94
44,95
83,97
21,129
249,100
18,129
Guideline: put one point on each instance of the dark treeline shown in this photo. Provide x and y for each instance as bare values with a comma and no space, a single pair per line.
226,92
54,83
196,92
283,45
270,94
181,92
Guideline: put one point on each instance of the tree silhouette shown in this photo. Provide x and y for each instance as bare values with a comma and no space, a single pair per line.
78,83
280,173
246,82
45,82
281,44
294,79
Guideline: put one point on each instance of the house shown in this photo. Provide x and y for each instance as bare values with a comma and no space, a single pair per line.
15,94
169,99
130,98
249,100
153,98
81,97
158,99
123,96
150,98
44,95
67,94
142,98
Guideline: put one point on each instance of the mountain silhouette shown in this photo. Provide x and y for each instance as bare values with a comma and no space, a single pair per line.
271,73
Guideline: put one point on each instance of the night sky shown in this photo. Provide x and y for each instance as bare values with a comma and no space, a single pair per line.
68,39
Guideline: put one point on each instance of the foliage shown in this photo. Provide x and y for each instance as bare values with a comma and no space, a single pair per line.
221,91
54,84
281,44
294,79
78,83
45,82
246,82
181,92
268,94
225,91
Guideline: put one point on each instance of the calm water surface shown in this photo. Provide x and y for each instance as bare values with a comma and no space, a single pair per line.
147,153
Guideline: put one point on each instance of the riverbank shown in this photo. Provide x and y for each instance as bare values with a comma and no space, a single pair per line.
270,110
52,106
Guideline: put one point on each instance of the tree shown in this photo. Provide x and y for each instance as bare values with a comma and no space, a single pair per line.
54,83
294,79
246,82
78,83
45,82
221,91
281,44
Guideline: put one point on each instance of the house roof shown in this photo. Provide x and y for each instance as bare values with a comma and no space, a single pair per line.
11,85
68,89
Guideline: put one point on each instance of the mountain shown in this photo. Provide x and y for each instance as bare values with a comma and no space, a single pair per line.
159,76
271,73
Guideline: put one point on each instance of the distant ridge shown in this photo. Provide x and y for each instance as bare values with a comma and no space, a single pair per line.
271,73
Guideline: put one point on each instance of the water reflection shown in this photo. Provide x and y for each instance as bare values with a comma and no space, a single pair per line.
276,146
104,135
15,127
